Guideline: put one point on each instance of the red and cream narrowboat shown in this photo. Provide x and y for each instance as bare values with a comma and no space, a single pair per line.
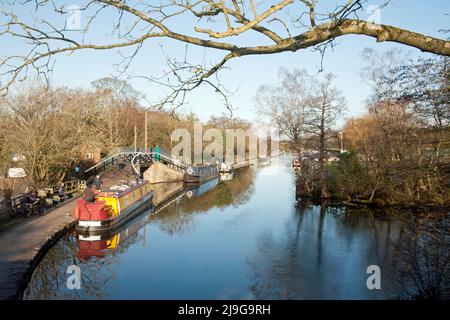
112,207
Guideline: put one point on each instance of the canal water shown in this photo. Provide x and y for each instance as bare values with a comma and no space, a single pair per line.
242,238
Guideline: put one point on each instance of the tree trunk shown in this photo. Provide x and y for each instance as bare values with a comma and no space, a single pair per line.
324,194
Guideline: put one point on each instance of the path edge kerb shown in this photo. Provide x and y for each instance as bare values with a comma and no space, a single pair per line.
40,254
23,278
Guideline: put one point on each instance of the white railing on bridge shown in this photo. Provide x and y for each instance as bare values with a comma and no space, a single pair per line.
110,160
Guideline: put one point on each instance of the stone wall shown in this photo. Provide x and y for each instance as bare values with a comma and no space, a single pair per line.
159,172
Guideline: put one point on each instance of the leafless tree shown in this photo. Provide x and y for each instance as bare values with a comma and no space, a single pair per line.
305,109
285,103
423,85
50,127
325,108
402,140
117,96
283,26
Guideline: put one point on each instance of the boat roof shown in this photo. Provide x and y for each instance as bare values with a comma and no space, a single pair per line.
123,187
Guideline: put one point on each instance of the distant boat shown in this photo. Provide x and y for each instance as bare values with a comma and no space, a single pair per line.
226,176
112,207
226,167
200,173
264,161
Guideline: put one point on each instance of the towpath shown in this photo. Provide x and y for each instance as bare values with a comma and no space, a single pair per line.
24,245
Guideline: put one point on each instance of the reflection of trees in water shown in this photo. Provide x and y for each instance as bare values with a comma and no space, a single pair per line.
174,220
49,279
178,217
421,269
414,253
275,268
385,230
131,237
278,269
234,192
301,263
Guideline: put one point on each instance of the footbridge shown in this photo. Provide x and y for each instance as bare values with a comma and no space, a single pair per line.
146,159
125,156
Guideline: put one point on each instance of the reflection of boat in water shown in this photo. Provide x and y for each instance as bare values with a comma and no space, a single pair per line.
204,187
226,167
90,245
263,162
113,207
226,176
97,245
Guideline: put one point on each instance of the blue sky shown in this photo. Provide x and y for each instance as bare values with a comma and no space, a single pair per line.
246,74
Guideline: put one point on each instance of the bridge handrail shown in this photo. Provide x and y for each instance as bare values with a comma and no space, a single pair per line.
152,154
162,155
105,161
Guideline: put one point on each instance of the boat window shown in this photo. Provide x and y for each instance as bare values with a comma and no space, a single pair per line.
126,200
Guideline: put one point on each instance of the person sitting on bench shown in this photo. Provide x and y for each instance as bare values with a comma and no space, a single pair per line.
62,191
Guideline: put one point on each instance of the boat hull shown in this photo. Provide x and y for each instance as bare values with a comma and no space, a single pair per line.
201,173
199,179
101,226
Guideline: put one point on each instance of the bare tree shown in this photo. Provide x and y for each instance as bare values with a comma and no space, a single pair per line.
285,103
283,26
121,91
422,84
50,127
305,109
402,141
324,109
117,97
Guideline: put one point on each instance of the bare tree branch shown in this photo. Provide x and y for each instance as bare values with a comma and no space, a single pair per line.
141,20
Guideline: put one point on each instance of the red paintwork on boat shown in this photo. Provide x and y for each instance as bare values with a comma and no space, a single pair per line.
91,211
88,249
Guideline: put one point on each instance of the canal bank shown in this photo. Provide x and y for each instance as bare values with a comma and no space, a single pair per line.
24,245
236,239
242,239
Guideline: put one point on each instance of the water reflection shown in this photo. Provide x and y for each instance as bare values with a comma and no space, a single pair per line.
226,176
247,238
422,258
174,204
324,255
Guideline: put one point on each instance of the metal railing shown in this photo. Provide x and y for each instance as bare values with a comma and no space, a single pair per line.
126,155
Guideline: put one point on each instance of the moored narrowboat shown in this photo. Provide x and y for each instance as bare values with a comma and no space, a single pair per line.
112,207
226,167
97,245
200,173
